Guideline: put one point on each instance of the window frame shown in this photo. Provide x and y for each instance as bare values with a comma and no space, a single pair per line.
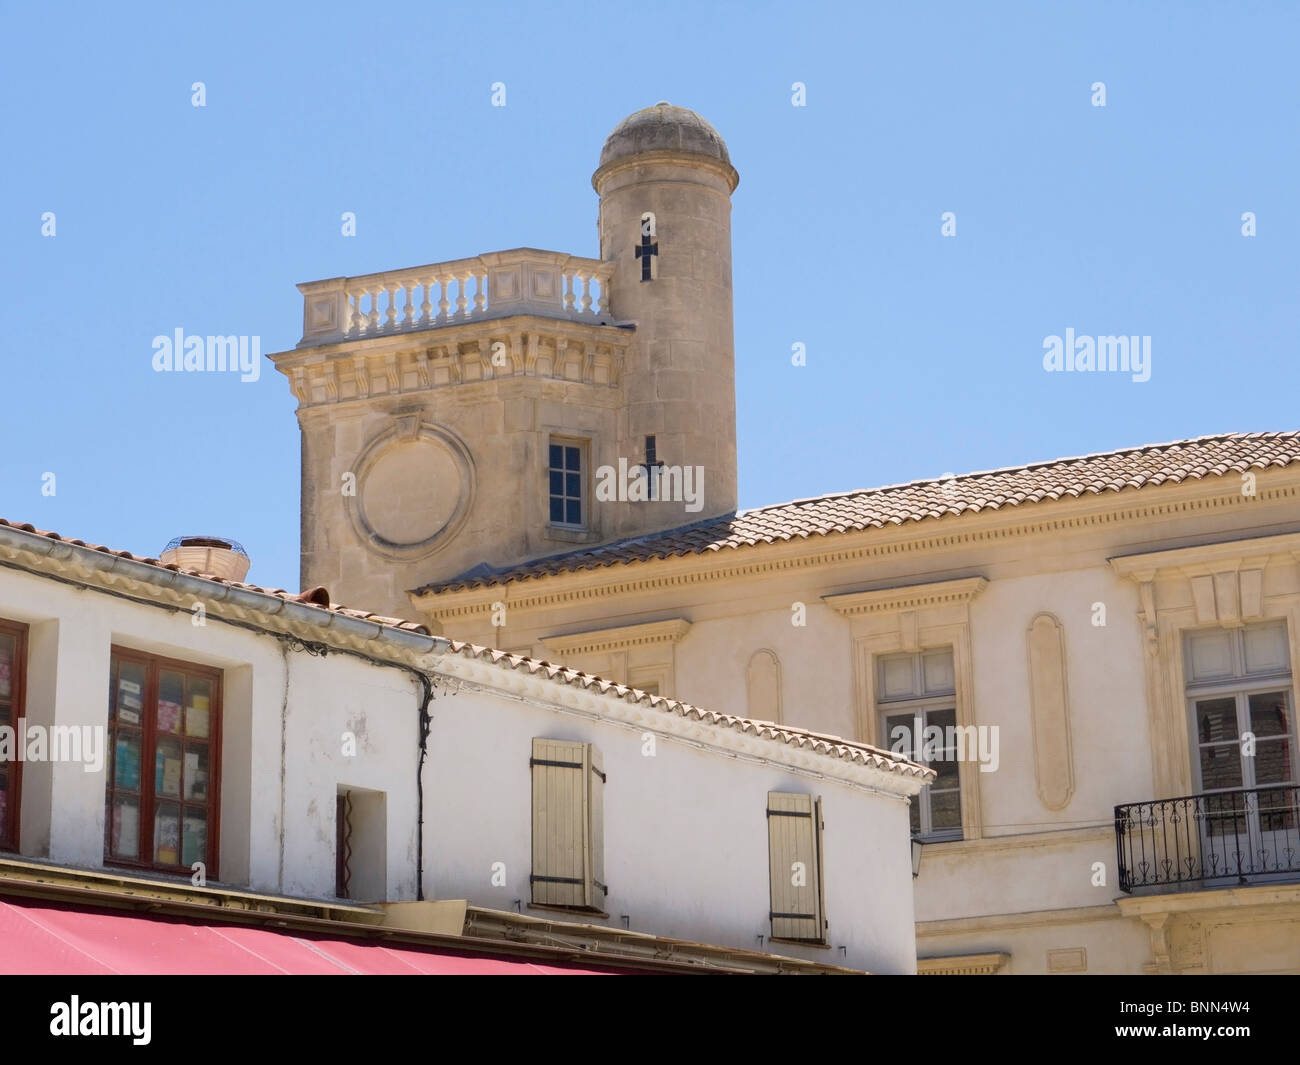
154,665
916,617
11,827
919,706
583,446
1239,686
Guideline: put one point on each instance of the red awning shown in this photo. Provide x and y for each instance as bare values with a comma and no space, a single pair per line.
44,941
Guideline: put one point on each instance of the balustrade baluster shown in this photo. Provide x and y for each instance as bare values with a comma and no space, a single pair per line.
444,300
462,301
353,325
408,310
425,306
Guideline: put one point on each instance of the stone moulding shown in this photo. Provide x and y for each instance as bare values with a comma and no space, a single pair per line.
408,429
474,353
909,597
549,590
963,964
1049,712
597,641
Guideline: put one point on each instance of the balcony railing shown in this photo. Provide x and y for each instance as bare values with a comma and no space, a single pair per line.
1242,836
495,285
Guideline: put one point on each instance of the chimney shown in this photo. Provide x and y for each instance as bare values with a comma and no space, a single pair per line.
216,556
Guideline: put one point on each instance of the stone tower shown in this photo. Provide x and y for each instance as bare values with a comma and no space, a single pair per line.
486,411
666,168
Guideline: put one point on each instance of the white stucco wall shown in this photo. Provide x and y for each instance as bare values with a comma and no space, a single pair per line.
685,833
685,830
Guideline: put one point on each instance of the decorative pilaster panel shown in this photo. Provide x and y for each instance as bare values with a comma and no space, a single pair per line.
1050,712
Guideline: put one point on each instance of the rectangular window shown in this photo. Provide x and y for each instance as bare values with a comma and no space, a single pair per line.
13,671
918,712
163,773
566,483
568,826
1242,708
794,844
361,844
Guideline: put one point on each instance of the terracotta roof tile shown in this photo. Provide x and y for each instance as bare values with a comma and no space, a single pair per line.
901,504
816,742
830,746
314,597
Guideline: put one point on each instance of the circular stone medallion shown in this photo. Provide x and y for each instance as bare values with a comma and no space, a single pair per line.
413,492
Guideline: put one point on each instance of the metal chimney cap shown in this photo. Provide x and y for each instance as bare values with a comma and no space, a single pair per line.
222,543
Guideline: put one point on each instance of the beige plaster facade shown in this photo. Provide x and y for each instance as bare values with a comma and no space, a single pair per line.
1063,622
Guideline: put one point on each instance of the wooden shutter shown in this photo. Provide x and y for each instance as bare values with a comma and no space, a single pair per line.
568,825
794,840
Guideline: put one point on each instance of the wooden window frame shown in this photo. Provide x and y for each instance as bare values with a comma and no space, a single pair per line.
912,618
920,705
583,447
10,829
148,800
1172,601
1238,686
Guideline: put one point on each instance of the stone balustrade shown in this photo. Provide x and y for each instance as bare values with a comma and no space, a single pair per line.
496,285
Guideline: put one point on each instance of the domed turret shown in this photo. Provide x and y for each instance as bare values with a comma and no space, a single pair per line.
665,181
664,128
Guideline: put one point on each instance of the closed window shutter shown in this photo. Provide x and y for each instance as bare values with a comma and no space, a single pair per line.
568,825
795,866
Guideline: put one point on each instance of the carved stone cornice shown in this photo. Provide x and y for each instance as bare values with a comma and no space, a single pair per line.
574,352
598,641
988,530
1209,558
907,597
962,964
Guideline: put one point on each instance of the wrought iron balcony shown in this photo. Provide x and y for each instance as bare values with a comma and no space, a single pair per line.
1219,839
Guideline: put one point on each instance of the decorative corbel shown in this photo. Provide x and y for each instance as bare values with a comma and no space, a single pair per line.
1147,615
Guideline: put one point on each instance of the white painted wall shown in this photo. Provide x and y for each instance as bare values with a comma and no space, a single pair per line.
685,830
1108,720
685,833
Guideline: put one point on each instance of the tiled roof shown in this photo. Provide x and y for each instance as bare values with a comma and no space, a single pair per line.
902,504
815,742
317,597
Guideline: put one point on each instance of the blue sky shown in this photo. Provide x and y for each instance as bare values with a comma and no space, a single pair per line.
924,352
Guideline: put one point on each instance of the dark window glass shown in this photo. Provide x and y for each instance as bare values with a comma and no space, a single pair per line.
161,801
564,483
